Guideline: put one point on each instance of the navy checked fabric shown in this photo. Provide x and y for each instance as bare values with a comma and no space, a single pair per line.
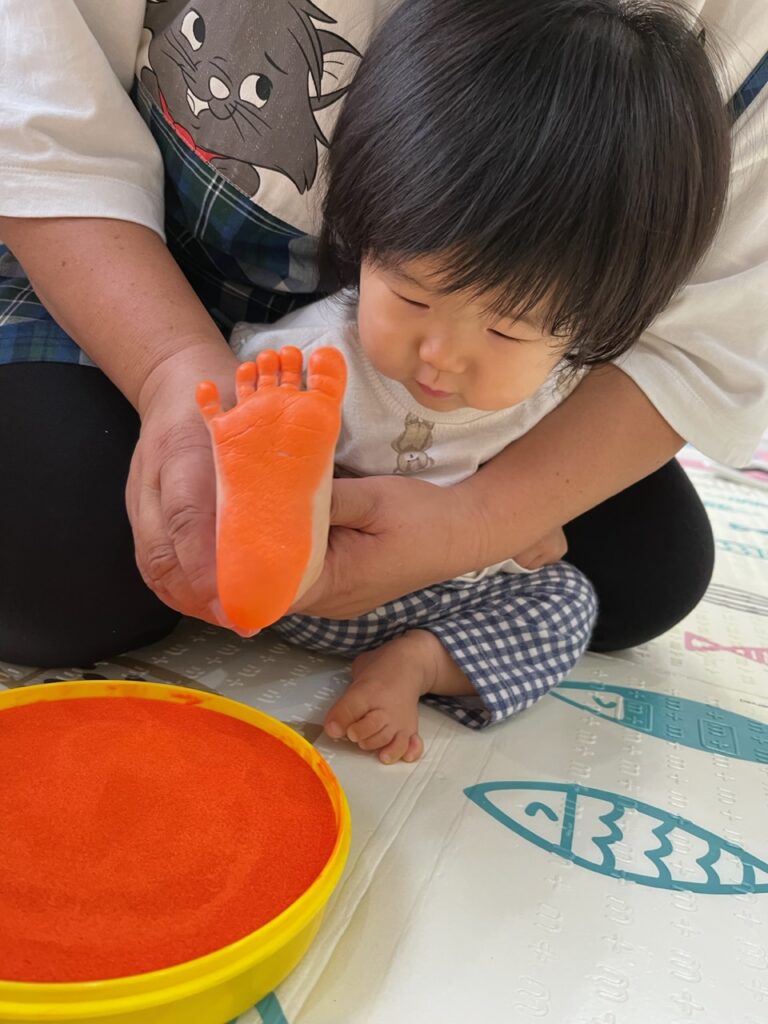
28,334
514,636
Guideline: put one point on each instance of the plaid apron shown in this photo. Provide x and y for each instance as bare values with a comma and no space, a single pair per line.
243,263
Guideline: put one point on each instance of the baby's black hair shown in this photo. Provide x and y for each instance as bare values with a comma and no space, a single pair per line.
565,154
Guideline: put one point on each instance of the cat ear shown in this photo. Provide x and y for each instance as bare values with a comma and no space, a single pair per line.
331,43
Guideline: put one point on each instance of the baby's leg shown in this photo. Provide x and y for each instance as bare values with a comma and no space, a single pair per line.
519,638
380,710
274,466
502,642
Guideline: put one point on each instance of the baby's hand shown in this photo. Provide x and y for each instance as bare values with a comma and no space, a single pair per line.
551,548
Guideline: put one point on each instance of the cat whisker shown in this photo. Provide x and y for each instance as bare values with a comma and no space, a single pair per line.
185,57
232,111
174,60
237,112
250,116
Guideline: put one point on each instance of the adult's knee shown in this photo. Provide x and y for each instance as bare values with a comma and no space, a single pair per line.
650,553
70,592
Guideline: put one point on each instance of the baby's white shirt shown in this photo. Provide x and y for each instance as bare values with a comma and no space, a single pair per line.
385,431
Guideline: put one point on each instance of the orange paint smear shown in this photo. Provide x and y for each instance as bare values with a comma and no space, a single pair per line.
138,834
273,451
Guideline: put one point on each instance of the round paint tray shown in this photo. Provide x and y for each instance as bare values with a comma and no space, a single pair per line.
214,985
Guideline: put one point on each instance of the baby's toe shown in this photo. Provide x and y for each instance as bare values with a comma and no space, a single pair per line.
372,722
378,739
345,712
415,748
395,750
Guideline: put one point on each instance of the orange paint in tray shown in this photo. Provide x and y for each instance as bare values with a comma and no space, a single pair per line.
138,834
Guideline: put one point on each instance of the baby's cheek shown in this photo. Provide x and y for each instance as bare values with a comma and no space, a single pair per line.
507,388
384,350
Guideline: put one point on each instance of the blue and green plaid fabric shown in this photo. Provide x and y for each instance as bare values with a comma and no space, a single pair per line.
243,263
27,332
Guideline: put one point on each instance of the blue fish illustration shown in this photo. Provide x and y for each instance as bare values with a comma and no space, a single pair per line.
736,547
271,1011
621,837
676,719
748,529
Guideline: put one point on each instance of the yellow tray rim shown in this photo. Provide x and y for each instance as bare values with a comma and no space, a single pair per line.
155,988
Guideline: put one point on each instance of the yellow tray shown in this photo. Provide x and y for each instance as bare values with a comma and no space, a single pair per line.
214,988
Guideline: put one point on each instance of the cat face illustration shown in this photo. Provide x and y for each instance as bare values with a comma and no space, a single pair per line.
240,81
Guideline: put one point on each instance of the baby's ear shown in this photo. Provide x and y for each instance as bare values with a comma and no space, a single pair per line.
340,62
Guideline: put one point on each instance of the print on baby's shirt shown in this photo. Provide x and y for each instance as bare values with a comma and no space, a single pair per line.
240,81
412,446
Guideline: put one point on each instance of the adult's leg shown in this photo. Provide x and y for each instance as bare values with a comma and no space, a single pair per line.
70,592
649,553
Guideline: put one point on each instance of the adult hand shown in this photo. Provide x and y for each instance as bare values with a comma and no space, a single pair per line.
389,536
171,491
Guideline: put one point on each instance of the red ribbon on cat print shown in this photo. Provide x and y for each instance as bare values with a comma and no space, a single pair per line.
186,138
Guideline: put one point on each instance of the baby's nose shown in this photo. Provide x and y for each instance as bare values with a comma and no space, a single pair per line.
442,353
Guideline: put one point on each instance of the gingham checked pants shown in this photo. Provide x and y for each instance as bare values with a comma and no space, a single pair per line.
514,636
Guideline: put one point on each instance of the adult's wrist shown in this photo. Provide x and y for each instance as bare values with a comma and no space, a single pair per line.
473,528
178,372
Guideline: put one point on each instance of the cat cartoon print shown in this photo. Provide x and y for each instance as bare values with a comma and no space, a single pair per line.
241,81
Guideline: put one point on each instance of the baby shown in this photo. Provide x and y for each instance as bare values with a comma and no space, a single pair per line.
515,191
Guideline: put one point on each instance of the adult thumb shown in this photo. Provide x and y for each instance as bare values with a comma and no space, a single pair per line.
353,503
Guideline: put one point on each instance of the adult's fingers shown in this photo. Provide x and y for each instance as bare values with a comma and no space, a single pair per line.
171,505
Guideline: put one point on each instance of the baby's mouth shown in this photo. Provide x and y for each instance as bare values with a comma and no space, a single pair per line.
196,105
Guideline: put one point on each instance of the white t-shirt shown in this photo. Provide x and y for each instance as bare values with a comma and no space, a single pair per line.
384,430
71,144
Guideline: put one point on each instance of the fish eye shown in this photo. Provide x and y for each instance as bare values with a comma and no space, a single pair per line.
533,809
256,89
193,29
601,703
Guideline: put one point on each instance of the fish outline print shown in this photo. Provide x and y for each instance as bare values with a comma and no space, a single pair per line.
691,723
754,872
270,1010
703,645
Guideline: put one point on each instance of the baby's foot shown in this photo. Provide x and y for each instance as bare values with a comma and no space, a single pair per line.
274,466
380,710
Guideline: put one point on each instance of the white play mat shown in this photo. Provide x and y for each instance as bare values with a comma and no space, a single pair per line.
601,859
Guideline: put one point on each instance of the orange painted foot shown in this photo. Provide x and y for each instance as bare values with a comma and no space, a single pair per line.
274,466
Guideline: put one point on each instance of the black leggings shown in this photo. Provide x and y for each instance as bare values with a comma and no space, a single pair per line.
70,592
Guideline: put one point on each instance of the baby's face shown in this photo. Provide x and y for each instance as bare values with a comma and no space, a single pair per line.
446,349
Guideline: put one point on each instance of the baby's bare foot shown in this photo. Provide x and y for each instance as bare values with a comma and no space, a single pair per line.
380,710
274,466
